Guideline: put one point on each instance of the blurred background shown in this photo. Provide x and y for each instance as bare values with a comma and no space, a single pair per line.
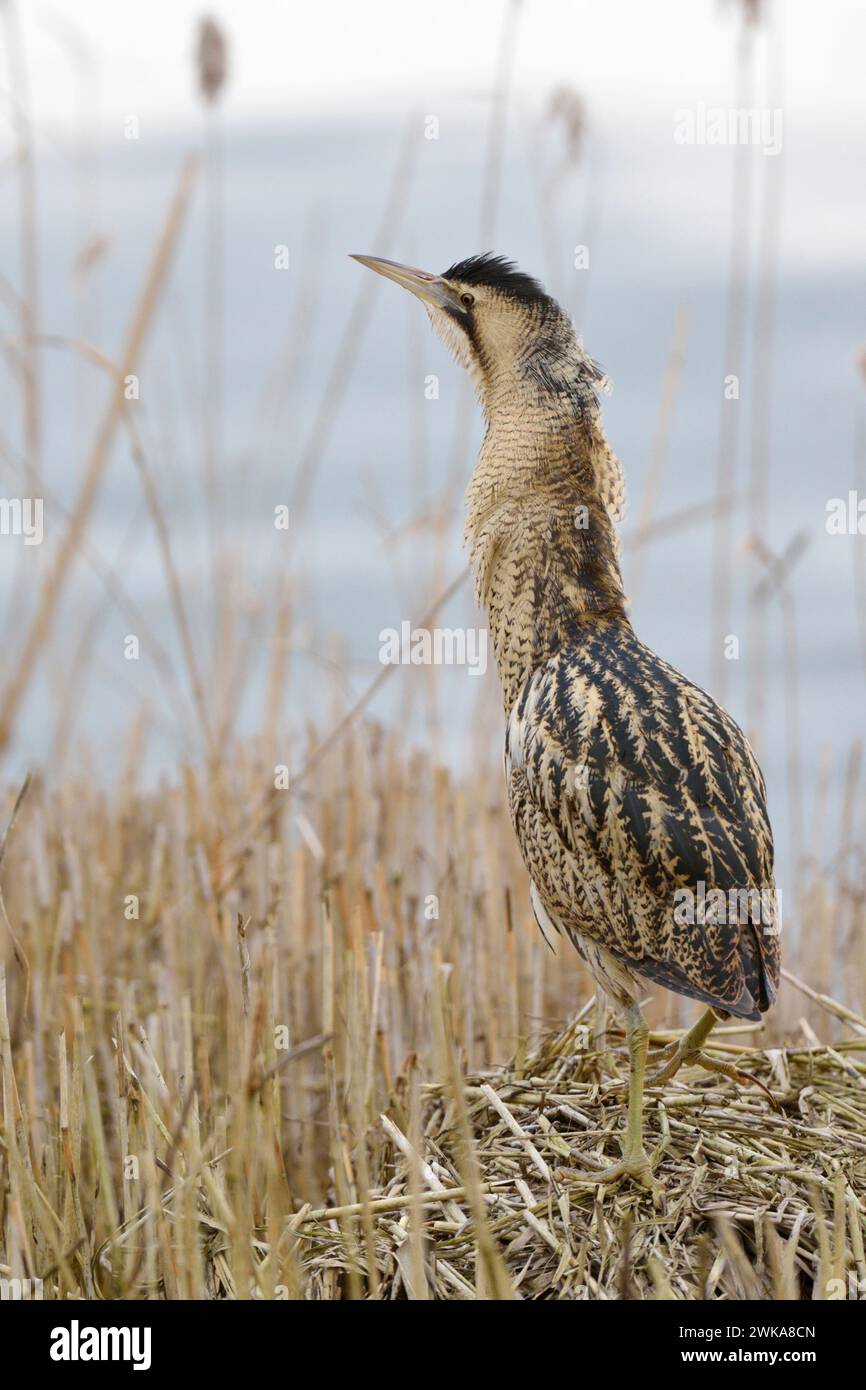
275,373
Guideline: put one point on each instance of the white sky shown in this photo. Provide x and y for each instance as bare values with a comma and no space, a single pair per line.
292,58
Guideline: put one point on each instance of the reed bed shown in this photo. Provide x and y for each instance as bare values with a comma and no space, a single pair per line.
252,1044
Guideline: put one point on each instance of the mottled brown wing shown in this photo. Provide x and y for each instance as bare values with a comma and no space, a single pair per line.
640,810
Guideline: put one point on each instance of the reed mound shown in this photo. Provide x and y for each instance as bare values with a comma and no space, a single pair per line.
762,1199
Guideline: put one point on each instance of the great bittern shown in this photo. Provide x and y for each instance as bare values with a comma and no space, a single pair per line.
637,801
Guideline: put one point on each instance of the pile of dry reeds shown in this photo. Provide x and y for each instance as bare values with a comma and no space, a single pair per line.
758,1203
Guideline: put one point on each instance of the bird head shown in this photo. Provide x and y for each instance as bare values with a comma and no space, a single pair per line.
504,328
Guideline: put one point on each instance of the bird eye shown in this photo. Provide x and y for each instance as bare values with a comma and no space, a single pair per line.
467,299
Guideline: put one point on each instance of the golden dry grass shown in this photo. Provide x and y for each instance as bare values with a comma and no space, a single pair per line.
231,1009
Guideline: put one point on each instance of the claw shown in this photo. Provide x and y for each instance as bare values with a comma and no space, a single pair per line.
637,1167
666,1073
696,1057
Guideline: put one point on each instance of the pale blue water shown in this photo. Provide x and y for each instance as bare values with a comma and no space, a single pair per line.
661,243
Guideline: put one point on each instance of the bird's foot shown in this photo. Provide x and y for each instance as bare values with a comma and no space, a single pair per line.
694,1056
635,1165
675,1055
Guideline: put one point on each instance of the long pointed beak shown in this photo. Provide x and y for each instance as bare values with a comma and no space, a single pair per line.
431,288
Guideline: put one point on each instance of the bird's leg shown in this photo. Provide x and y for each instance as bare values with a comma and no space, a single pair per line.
634,1162
688,1049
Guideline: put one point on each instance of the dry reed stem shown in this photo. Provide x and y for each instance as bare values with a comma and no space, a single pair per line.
52,587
